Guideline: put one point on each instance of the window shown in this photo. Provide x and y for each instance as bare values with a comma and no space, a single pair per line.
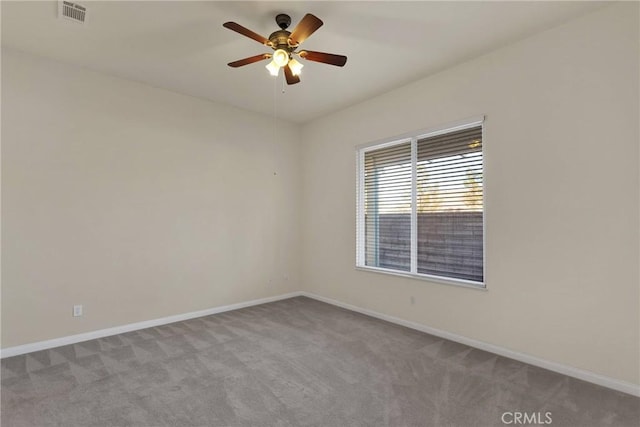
420,205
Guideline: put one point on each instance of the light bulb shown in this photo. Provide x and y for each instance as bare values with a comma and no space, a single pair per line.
281,57
295,66
273,68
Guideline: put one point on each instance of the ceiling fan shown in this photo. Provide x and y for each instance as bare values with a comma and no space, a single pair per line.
285,45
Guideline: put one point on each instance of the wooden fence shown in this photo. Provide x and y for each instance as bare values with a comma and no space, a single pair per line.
449,243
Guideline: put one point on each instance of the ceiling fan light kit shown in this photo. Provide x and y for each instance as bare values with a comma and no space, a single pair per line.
285,45
295,66
281,57
273,68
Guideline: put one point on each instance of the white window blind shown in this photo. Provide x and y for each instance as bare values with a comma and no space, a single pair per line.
387,205
440,234
449,198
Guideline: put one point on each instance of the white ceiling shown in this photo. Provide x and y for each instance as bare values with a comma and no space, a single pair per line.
182,46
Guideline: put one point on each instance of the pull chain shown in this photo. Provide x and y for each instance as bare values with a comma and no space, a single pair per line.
275,108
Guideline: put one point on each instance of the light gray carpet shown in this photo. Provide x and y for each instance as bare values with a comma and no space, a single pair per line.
296,362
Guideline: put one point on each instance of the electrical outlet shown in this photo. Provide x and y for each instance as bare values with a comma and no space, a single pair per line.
77,310
412,299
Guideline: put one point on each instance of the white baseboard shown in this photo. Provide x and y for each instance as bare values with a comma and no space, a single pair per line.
72,339
581,374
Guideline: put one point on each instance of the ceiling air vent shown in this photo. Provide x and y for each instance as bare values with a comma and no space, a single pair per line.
72,11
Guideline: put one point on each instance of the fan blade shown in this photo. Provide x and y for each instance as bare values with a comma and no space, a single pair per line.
326,58
249,60
307,26
246,32
291,79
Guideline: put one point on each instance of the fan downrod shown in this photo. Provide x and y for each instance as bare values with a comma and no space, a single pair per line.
283,20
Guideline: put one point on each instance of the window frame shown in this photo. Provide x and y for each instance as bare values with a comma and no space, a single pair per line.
413,137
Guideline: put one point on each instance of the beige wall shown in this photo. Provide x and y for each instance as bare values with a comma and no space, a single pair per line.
136,202
561,176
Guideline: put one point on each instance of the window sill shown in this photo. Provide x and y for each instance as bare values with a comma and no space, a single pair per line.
434,279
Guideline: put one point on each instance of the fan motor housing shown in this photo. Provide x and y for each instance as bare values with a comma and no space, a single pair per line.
280,40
